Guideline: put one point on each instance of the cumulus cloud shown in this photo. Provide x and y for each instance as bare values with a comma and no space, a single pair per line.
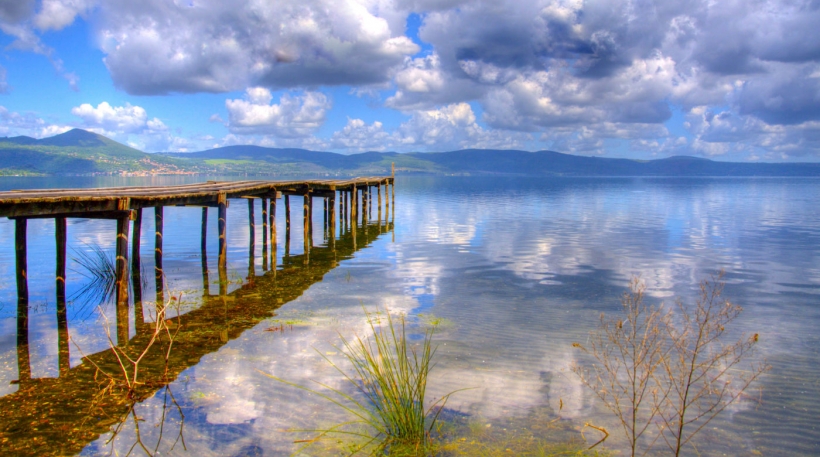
57,14
294,116
359,136
14,124
158,47
117,119
447,128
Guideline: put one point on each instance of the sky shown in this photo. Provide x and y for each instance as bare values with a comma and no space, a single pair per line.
734,80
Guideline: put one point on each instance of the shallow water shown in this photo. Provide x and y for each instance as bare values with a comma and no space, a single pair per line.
518,269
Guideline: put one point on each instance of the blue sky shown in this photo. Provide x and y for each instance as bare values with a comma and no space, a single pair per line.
732,80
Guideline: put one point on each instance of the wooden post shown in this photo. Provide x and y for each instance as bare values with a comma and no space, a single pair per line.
287,212
272,223
203,247
287,225
222,204
20,248
324,214
310,219
159,283
264,234
354,196
306,220
332,227
365,209
123,227
252,239
344,207
379,195
136,273
62,317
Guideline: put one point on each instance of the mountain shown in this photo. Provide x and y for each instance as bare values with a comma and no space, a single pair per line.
81,152
76,151
480,162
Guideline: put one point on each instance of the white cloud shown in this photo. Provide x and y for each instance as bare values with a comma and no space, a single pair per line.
359,136
57,14
149,46
294,116
117,119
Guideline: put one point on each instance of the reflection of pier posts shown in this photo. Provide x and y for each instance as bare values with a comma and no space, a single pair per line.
123,227
264,234
252,239
203,247
62,317
20,247
136,274
222,227
159,283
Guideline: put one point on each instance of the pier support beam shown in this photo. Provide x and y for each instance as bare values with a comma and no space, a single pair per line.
264,234
20,248
331,203
203,247
379,201
272,224
136,274
306,223
252,239
62,317
354,197
222,227
123,227
159,283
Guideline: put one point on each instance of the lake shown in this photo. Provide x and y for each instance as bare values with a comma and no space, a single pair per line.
512,270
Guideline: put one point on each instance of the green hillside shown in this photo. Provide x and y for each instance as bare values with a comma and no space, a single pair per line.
77,152
85,153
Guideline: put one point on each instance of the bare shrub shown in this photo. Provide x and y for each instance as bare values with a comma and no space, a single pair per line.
652,366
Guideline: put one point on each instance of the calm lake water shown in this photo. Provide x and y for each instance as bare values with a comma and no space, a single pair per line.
515,269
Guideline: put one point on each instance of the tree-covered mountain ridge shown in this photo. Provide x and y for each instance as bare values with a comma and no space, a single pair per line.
80,152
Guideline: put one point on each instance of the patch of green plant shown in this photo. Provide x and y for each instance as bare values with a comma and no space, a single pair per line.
431,320
389,382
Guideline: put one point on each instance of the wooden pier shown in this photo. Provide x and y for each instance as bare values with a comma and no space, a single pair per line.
61,405
349,199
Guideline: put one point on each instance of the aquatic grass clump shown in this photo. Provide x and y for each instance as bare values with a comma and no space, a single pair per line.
389,378
99,267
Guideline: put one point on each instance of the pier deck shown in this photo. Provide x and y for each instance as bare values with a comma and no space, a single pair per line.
105,202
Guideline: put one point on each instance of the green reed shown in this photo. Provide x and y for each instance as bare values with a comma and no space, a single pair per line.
389,378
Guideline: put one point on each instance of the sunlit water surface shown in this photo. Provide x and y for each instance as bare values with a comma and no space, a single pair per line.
517,270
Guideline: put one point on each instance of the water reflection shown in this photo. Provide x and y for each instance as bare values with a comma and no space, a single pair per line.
60,416
520,267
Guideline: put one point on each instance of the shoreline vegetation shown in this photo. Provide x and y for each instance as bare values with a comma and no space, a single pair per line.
663,374
82,153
